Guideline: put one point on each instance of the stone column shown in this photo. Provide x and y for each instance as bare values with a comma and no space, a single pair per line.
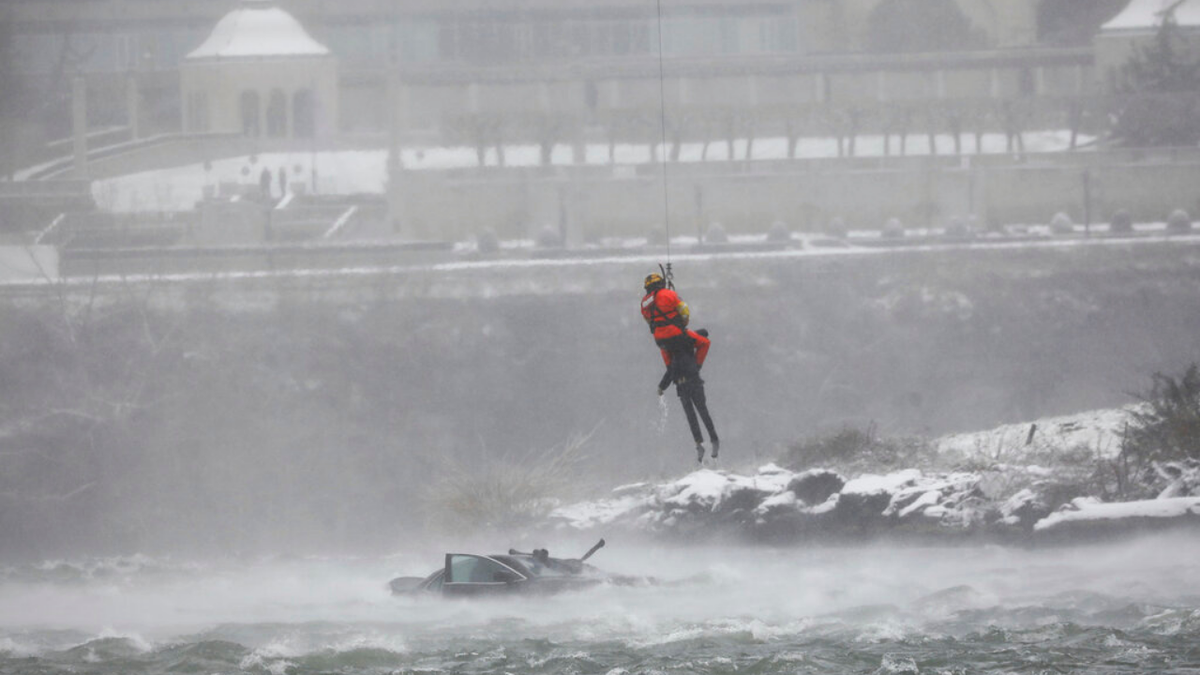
289,124
473,98
397,108
79,124
264,102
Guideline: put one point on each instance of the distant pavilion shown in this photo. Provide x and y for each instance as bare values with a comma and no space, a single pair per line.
260,74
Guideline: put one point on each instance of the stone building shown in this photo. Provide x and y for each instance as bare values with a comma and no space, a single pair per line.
259,73
835,42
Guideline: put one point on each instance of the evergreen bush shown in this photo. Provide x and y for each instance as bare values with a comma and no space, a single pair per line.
893,229
549,237
1121,221
779,232
488,242
957,228
1061,224
1167,426
836,227
1179,221
716,234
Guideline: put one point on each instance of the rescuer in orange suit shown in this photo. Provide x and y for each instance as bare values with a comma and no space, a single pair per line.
666,315
683,352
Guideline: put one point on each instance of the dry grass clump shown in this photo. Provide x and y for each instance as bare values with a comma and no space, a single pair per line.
504,491
853,451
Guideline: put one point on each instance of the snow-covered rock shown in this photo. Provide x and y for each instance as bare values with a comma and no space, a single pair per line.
1024,509
1089,510
1098,430
775,502
1014,497
1182,478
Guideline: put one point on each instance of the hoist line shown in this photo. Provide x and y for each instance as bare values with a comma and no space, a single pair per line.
662,109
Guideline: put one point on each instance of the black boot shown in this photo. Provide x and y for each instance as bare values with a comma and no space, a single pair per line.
699,452
716,443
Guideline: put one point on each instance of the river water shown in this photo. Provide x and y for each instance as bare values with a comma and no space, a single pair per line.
1131,607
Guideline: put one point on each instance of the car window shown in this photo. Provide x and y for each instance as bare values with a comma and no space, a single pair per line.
475,569
551,567
524,564
433,582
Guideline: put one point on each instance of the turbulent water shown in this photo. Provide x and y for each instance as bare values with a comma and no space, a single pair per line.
1130,607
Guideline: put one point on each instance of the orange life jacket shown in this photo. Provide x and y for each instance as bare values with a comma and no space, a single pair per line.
660,309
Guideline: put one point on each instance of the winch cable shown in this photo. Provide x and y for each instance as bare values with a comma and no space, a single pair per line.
662,109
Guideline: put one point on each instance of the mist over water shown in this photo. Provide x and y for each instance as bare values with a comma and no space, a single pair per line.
1133,607
307,314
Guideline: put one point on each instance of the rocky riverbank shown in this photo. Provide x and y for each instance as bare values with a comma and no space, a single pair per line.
971,497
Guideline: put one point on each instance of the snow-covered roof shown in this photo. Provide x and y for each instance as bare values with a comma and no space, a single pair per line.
1141,15
258,29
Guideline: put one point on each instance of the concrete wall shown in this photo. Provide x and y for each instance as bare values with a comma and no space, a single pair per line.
602,202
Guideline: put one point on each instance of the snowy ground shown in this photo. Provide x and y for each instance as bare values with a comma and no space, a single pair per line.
365,171
1096,430
1005,490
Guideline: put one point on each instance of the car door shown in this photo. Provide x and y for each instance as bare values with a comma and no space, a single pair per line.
472,575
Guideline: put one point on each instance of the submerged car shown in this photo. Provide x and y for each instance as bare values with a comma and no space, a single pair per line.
469,574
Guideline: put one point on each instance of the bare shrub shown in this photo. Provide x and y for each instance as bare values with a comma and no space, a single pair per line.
502,492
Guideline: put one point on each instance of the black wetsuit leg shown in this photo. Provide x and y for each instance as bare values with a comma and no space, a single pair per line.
686,397
700,402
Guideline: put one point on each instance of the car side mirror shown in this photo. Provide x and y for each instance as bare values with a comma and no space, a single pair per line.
505,576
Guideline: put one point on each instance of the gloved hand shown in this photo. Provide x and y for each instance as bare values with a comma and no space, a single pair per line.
660,392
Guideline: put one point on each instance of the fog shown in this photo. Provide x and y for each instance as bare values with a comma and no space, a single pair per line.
290,607
297,296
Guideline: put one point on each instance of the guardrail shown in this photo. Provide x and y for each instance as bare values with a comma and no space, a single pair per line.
62,165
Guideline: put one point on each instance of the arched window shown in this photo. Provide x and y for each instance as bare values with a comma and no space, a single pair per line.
250,113
303,114
277,114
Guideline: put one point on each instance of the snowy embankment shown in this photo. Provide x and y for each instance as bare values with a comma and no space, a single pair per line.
1012,496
